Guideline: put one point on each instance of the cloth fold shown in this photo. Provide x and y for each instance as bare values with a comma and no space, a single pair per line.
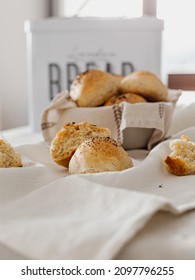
64,220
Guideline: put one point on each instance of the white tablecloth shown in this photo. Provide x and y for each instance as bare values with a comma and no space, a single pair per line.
140,213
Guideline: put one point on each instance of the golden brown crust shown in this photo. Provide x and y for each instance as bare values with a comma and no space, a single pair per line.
99,154
118,79
176,166
128,97
92,88
146,84
70,137
181,161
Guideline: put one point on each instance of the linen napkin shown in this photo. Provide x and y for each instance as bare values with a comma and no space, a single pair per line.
70,219
156,117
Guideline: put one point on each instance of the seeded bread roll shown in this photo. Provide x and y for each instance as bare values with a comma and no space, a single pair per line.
70,137
8,156
92,88
128,97
99,154
146,84
181,161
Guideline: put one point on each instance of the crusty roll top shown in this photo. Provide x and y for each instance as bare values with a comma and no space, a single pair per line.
92,88
131,98
99,154
146,84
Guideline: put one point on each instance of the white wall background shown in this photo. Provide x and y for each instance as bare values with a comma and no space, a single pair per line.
13,68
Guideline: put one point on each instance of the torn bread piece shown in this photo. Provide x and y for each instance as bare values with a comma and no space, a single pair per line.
8,156
70,137
181,161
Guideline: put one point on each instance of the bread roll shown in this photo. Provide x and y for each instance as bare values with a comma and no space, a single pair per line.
181,161
99,154
8,156
92,88
146,84
128,97
118,79
70,137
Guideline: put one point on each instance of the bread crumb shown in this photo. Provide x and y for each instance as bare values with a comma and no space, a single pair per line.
8,156
181,160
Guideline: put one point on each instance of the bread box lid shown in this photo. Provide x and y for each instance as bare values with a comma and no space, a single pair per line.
93,23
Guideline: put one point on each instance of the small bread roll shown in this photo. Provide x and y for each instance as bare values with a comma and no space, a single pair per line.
146,84
70,137
92,88
99,154
118,78
8,156
181,161
128,97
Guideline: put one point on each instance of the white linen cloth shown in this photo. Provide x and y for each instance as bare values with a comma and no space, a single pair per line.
165,237
47,214
153,117
183,115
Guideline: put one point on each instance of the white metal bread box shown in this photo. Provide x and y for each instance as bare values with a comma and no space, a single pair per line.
59,48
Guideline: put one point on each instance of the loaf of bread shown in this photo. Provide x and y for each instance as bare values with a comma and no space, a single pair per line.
93,88
8,156
99,154
146,84
128,97
181,160
70,137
